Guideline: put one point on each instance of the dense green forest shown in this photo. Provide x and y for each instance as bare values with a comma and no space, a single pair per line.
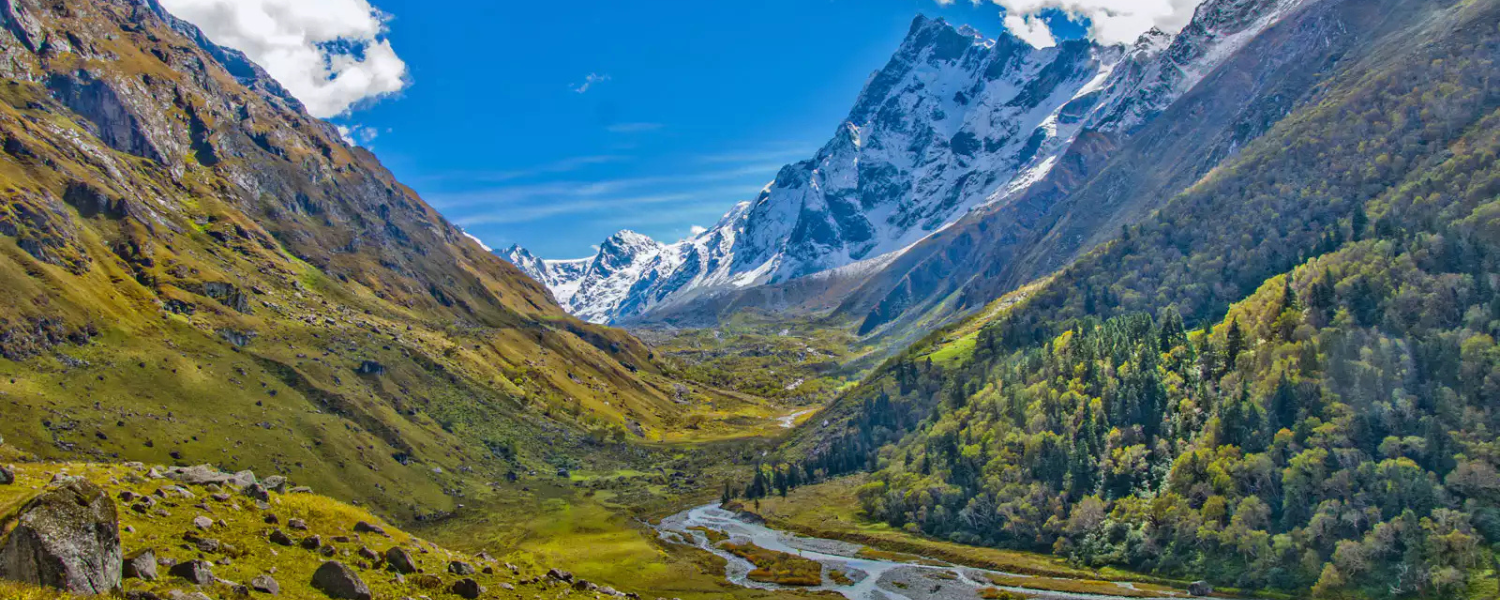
1286,379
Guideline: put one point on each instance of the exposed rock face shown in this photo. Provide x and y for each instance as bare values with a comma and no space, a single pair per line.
66,538
339,581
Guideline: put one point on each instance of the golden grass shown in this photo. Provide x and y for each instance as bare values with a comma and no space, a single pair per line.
714,536
246,552
778,567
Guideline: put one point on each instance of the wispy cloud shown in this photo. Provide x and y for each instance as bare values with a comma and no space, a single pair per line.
781,153
589,82
566,165
633,127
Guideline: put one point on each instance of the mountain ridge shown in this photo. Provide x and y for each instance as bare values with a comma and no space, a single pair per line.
952,124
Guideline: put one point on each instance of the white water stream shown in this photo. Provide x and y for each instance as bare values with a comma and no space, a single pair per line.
873,579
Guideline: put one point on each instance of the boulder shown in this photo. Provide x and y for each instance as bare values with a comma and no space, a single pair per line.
559,575
141,565
339,581
297,524
400,560
466,588
258,492
275,483
67,538
1200,588
265,584
202,522
460,568
205,475
363,527
312,542
280,538
7,476
196,572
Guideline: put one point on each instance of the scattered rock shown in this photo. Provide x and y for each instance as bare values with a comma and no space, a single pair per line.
280,538
363,527
560,575
141,565
265,584
202,522
339,581
400,560
366,553
258,492
141,595
66,538
370,367
467,588
196,572
312,542
460,568
181,595
7,477
297,524
1200,588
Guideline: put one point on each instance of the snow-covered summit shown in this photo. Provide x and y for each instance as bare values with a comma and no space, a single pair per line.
952,122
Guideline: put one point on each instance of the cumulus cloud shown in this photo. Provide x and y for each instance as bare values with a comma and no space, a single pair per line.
1110,21
331,54
1031,29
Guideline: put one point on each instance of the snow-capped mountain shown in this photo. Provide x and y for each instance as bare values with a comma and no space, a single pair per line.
954,121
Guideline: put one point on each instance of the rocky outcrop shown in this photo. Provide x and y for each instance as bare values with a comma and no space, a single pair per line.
67,538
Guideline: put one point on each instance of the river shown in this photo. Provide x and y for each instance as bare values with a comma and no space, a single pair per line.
873,579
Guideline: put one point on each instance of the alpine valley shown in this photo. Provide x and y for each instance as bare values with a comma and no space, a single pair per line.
1208,314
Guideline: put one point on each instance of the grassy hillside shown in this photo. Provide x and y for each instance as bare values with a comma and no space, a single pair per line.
197,271
1283,379
243,548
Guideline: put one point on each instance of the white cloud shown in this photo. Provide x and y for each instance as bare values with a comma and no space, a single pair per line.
331,54
1031,29
1110,21
358,135
589,82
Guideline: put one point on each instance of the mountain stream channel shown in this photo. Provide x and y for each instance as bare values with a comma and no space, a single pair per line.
872,579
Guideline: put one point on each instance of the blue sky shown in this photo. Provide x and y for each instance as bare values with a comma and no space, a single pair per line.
689,108
553,125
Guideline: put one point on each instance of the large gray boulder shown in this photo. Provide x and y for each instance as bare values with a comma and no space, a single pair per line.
340,582
205,474
67,538
1200,588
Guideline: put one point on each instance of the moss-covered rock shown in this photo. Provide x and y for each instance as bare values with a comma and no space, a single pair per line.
67,538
